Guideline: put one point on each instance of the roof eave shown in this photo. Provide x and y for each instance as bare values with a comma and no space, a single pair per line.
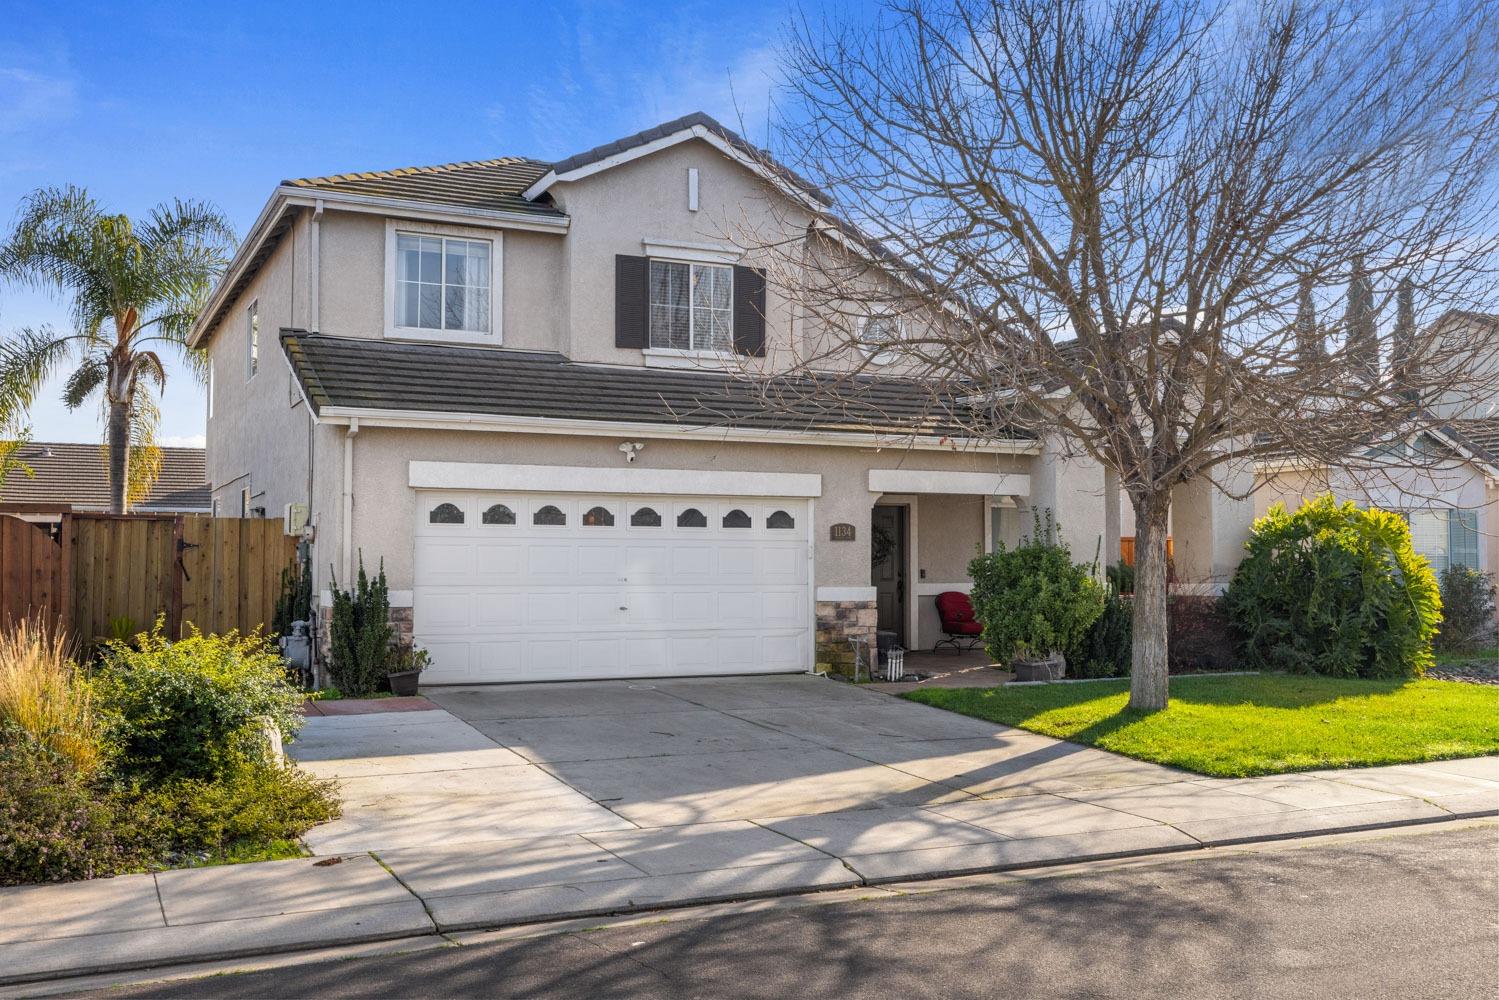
420,419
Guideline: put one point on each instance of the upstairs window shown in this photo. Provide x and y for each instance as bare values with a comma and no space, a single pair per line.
691,306
442,283
252,340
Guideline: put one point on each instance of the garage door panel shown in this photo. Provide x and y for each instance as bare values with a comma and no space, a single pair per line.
514,600
550,562
652,608
498,610
737,563
443,561
498,562
782,564
739,609
647,563
600,561
784,651
595,609
450,660
444,612
783,608
737,653
549,609
693,562
692,609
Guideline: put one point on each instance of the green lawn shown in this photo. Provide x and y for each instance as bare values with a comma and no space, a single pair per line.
1266,724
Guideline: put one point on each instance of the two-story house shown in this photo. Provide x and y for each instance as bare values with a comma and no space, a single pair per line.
520,385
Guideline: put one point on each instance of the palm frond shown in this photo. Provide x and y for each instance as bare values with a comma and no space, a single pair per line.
26,361
148,363
145,455
87,377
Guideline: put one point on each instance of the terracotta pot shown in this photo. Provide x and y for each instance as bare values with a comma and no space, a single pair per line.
403,684
1050,668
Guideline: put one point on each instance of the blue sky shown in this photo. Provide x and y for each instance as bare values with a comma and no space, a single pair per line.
220,101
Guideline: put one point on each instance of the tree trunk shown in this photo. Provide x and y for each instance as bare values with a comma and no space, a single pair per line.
1148,667
119,455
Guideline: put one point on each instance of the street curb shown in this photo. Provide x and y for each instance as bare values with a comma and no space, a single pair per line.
251,951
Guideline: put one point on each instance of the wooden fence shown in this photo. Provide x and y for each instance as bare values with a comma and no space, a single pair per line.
218,573
33,578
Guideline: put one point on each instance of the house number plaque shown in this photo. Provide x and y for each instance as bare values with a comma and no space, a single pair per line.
841,533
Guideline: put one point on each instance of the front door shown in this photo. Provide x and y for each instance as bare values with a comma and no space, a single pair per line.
887,569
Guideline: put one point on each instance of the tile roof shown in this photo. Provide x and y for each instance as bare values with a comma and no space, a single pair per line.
67,472
376,374
488,184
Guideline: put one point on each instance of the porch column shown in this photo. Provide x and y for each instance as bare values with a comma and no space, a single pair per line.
1111,517
1073,488
1210,528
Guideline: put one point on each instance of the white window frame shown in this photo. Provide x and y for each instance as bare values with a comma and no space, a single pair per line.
879,355
210,384
665,354
252,340
495,239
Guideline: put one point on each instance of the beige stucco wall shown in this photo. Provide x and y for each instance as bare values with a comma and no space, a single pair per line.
1458,485
259,429
614,210
385,509
354,293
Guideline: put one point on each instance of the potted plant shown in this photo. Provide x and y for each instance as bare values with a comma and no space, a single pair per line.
1034,602
406,665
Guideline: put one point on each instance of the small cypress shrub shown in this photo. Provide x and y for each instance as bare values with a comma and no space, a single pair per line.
1105,650
1467,608
360,635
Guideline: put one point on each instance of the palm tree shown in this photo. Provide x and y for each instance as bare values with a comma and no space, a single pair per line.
132,287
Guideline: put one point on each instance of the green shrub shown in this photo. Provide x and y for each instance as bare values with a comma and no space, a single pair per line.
1105,649
1121,577
1032,599
192,708
1335,589
1467,608
360,636
251,802
55,823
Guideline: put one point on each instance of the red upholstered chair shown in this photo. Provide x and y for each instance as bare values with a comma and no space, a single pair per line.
964,632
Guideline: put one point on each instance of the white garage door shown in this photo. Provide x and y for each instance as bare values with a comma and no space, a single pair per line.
534,587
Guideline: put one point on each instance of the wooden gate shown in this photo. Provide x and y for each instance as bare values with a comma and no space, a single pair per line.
218,573
33,577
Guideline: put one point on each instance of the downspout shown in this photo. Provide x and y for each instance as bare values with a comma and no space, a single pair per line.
315,268
350,433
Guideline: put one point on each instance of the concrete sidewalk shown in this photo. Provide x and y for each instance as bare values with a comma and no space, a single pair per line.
447,829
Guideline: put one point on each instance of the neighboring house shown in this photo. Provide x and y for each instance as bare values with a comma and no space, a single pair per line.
516,384
71,476
1445,482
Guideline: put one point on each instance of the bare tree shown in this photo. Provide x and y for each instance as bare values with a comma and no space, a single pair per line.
1116,221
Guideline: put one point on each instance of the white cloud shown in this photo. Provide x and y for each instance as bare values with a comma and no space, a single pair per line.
183,441
28,99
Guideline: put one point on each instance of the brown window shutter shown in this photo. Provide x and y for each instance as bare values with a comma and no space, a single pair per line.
749,311
632,301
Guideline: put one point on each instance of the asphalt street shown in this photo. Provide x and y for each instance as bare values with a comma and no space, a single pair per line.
1401,914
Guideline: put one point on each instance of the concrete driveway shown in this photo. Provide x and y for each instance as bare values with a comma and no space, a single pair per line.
527,802
676,752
